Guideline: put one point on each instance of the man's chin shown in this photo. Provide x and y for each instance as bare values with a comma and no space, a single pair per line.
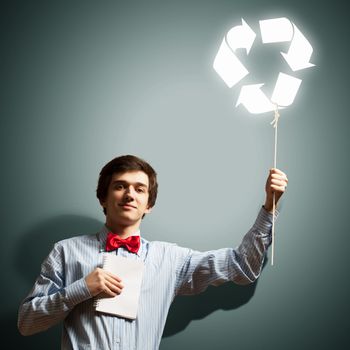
127,219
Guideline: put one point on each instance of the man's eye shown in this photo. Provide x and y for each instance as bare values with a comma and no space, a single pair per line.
140,190
118,187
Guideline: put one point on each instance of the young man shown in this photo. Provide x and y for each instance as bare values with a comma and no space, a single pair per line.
71,276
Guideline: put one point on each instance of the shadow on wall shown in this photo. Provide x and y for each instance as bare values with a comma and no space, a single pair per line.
184,309
36,243
32,248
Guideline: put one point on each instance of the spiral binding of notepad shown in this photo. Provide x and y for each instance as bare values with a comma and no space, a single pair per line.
104,265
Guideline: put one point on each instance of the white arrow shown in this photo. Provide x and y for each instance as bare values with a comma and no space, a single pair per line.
254,100
228,66
226,63
276,30
281,30
285,90
241,37
299,53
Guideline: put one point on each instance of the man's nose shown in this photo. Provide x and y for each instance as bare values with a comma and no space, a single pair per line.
129,193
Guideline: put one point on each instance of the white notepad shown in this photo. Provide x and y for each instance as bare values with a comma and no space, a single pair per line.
130,272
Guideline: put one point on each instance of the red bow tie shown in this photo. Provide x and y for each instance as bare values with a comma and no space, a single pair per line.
132,243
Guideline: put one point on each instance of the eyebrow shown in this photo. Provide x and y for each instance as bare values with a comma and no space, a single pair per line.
135,184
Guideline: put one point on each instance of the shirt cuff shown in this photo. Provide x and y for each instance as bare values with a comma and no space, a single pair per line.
78,292
263,222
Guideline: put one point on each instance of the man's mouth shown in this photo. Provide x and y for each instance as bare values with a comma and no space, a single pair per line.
126,205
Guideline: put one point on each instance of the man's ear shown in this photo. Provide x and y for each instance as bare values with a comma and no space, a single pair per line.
148,210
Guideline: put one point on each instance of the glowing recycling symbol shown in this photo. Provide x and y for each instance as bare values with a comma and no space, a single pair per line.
231,70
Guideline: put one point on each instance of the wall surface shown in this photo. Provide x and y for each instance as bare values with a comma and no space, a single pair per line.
84,81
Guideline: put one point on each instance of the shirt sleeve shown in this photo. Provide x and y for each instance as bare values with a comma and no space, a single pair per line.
241,265
50,300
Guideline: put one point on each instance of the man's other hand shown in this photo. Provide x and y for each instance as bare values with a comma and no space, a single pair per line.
276,183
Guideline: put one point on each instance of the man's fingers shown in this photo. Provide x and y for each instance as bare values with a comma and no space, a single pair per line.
276,185
279,177
103,282
278,182
110,290
274,172
113,278
278,188
113,289
114,285
111,275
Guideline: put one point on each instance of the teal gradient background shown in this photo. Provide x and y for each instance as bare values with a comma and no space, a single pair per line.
85,81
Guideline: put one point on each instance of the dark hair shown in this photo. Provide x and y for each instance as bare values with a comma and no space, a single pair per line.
124,164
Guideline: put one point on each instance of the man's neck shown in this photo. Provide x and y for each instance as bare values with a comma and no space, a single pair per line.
123,231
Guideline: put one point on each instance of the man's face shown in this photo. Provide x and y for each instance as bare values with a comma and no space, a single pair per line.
127,197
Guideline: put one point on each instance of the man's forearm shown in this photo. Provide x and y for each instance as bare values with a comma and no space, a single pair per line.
38,313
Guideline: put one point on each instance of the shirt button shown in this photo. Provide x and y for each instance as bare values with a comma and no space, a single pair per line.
117,340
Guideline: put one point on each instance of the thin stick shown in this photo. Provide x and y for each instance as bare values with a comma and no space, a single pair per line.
275,125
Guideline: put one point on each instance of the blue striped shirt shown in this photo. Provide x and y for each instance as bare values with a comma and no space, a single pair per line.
60,292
